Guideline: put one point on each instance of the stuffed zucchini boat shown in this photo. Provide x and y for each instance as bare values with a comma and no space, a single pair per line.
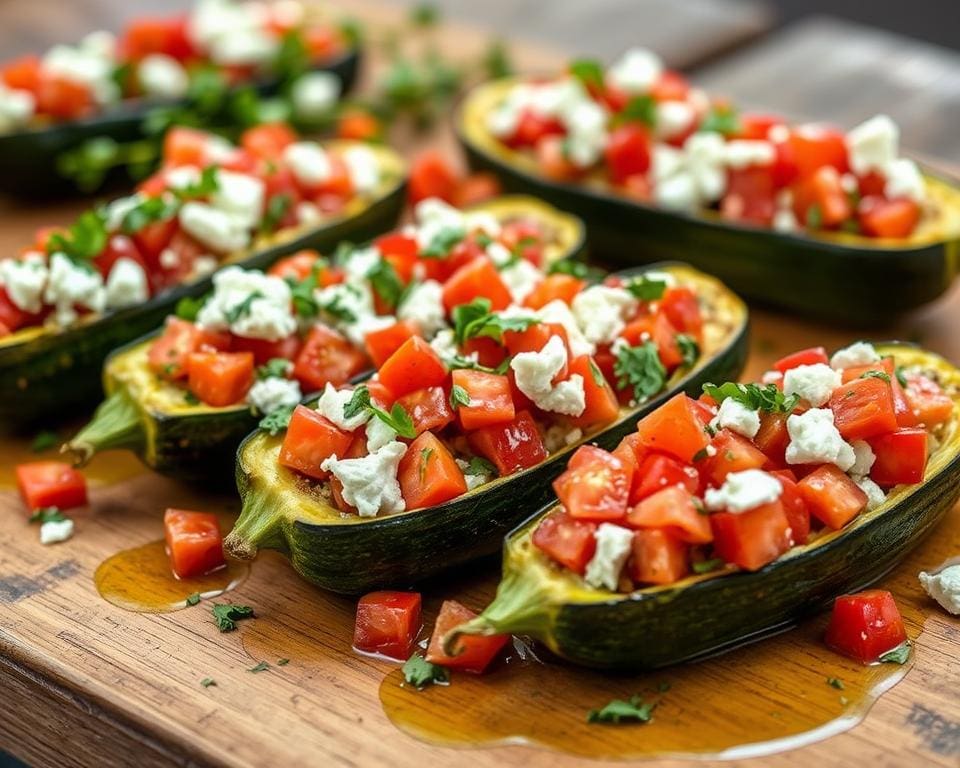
185,397
119,270
768,506
452,443
105,86
804,217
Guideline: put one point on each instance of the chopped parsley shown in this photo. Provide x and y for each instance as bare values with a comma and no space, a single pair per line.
420,673
901,376
359,401
640,369
589,72
44,441
275,368
646,288
640,109
277,420
207,682
261,667
190,399
688,348
898,655
398,419
635,710
189,307
576,269
193,599
226,615
443,242
277,208
84,239
882,375
206,185
337,309
304,303
47,515
479,466
243,308
721,119
836,682
282,662
425,455
147,212
386,282
764,397
475,320
459,396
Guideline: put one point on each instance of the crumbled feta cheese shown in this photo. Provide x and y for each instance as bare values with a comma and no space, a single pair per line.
169,258
778,133
499,254
267,395
635,71
558,312
182,176
586,133
875,494
872,145
55,531
379,433
24,280
849,183
126,284
771,377
423,304
240,195
559,436
85,66
204,265
162,76
601,312
370,482
16,108
266,303
241,48
364,169
735,416
534,375
521,278
350,308
220,231
673,118
863,458
784,220
743,153
813,383
742,491
691,177
361,263
705,154
434,216
308,161
116,211
100,43
905,180
331,406
944,587
444,344
315,94
69,286
815,440
614,544
857,354
472,480
307,213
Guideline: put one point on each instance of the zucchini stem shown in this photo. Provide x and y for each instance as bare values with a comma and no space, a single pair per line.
117,423
260,526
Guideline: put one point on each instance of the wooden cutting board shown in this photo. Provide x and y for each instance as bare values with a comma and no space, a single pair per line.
85,683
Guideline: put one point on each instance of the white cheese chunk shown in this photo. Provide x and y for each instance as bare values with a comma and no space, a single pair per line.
53,532
586,133
944,587
69,286
535,371
126,284
17,107
370,482
24,280
423,305
434,216
331,406
472,480
244,48
309,162
364,169
162,76
351,311
361,263
857,354
240,195
784,220
872,145
735,416
558,312
601,312
673,118
315,94
875,494
742,491
444,344
273,392
249,303
635,71
379,433
814,383
863,458
86,66
220,231
521,278
743,153
307,213
905,180
116,211
815,440
613,548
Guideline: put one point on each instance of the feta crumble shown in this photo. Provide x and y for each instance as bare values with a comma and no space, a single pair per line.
69,286
944,587
162,76
315,94
370,482
875,494
55,531
735,416
601,312
813,383
309,162
858,353
126,284
742,491
613,548
635,71
521,278
363,168
863,458
423,305
558,312
815,440
534,375
267,300
331,406
24,280
240,195
267,395
872,145
220,231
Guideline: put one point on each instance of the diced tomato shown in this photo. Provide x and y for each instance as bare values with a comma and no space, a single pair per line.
927,400
186,251
22,74
152,239
901,457
658,557
473,653
567,540
268,141
600,401
680,305
863,408
428,473
310,440
660,330
823,192
670,86
816,146
553,287
428,408
793,504
525,237
11,316
167,36
532,127
672,508
658,471
905,415
510,447
194,544
185,146
321,41
534,339
220,378
750,196
415,365
489,351
397,244
180,338
595,485
51,484
335,187
865,626
674,428
118,247
553,161
753,538
491,401
755,126
627,151
810,356
264,351
476,188
733,454
327,358
388,623
477,279
383,343
356,125
357,449
431,175
832,497
63,98
888,218
772,438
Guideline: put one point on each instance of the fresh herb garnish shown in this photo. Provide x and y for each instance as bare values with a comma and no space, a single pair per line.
706,566
359,401
635,710
836,682
146,212
640,368
226,615
425,455
475,320
386,282
646,288
721,119
700,455
640,109
398,419
84,240
47,515
337,309
689,348
190,399
882,375
901,376
575,269
424,15
765,397
189,307
814,217
193,599
898,655
277,420
207,682
261,667
275,368
589,72
479,466
282,662
420,673
459,396
44,441
596,374
206,185
243,308
442,242
277,208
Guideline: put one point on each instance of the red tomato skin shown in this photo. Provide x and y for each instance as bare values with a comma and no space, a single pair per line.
490,399
734,453
432,176
474,652
194,544
310,439
816,146
566,540
627,152
658,557
595,485
658,471
429,409
477,279
863,408
753,538
50,484
832,497
600,401
888,218
680,305
428,473
901,457
383,343
326,357
865,626
220,379
415,365
388,623
264,351
810,356
794,506
672,509
927,401
751,195
510,447
674,428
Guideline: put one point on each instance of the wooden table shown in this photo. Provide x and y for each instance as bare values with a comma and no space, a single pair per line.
84,683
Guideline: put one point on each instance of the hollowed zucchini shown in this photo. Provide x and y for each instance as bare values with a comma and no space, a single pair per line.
831,276
706,614
45,371
348,554
28,158
151,417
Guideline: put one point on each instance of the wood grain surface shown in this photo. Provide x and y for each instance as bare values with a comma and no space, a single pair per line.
84,683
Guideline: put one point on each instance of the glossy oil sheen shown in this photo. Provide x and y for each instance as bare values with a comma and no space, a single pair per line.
759,699
140,579
107,468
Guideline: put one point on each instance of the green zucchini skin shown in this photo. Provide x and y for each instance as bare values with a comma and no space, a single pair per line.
28,159
658,627
821,278
56,372
399,550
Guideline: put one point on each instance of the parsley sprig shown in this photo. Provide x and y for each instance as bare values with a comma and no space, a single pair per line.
475,320
634,710
226,615
420,673
397,419
764,397
277,420
646,288
640,369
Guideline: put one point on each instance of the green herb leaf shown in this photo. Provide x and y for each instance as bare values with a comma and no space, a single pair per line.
465,314
282,662
597,374
459,396
386,283
44,441
480,466
420,673
640,109
277,420
189,307
814,217
723,120
226,615
148,211
754,396
243,308
898,655
700,455
338,310
475,320
190,399
443,242
618,711
359,402
706,566
589,72
275,368
901,377
835,682
398,419
206,185
688,348
277,208
882,375
261,667
207,682
640,368
84,240
425,455
646,288
576,269
47,515
193,599
496,60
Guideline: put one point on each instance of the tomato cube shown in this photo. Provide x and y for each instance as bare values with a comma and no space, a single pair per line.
567,540
473,653
733,453
810,356
901,457
327,358
753,538
415,365
388,623
672,509
832,497
600,401
428,473
658,557
863,408
489,397
168,354
658,471
793,504
512,446
194,544
865,626
927,400
595,485
431,175
429,409
477,279
553,287
51,484
310,440
674,428
383,343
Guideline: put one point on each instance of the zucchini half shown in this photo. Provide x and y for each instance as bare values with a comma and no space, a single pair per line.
830,276
28,158
151,417
45,371
711,613
350,555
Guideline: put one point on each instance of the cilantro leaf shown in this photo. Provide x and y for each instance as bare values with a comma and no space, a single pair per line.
597,374
277,420
226,615
640,368
44,441
464,314
443,242
359,402
261,667
420,673
398,419
901,377
459,396
721,119
619,711
475,320
207,682
836,682
386,282
85,238
189,307
207,184
243,308
689,348
480,466
47,515
575,268
898,655
765,397
646,288
277,208
640,109
275,368
146,212
882,375
589,72
193,599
